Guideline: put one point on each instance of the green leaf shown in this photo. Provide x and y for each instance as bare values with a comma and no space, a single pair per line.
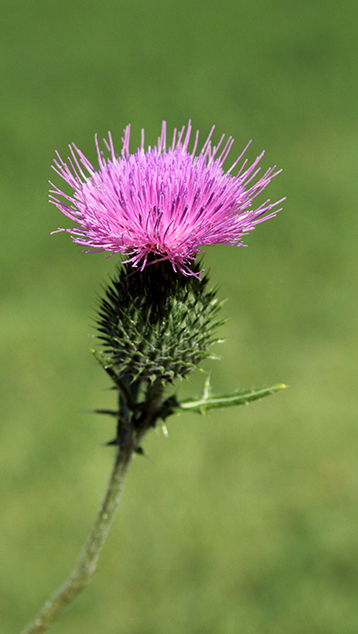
242,397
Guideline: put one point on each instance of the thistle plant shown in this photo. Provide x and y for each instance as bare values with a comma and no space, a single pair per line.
158,317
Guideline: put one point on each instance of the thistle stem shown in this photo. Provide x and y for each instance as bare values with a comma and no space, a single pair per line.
87,562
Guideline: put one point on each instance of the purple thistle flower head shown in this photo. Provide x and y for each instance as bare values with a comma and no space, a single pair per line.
161,204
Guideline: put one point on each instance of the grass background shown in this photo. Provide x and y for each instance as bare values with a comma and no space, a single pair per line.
246,520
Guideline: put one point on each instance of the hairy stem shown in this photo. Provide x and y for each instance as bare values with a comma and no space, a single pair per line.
87,562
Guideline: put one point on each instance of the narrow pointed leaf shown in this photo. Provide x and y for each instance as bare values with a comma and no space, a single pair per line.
243,397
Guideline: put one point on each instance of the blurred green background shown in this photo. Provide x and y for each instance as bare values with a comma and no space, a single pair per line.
246,520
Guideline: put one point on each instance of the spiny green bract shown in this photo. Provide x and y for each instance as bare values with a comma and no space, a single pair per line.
157,324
